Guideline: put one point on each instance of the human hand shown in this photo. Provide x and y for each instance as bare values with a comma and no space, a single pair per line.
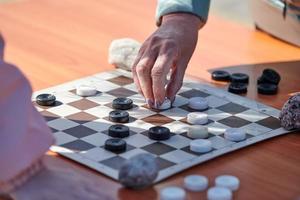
58,184
169,48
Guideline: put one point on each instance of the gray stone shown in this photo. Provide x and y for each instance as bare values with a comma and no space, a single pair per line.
139,171
290,113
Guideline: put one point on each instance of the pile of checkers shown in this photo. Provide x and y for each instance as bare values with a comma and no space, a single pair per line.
224,187
267,83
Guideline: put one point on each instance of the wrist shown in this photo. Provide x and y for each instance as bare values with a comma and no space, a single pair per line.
190,20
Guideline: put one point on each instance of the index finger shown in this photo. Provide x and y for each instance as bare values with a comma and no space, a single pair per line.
164,62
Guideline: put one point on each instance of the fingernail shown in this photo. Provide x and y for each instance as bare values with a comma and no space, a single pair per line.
157,104
149,102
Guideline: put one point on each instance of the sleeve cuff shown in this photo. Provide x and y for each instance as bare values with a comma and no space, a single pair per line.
199,8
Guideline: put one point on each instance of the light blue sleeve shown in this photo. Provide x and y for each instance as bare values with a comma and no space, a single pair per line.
199,8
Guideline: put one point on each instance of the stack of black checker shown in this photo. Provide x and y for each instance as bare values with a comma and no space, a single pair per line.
267,83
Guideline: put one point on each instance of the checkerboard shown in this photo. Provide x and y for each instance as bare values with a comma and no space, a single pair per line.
80,124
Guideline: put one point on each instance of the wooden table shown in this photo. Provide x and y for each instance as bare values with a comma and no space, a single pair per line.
54,41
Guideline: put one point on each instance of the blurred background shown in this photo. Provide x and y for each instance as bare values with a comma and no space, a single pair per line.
68,39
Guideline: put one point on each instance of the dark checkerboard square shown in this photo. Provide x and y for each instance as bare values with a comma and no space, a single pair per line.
234,122
80,131
121,80
78,145
158,148
158,119
53,130
232,108
114,162
83,104
49,116
121,92
163,164
270,122
187,149
81,117
193,93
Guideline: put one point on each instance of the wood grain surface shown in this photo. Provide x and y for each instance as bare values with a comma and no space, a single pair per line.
54,41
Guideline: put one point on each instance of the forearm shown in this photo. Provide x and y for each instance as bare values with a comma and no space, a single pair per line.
25,137
199,8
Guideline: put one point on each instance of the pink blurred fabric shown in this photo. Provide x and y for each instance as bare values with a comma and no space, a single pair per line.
24,135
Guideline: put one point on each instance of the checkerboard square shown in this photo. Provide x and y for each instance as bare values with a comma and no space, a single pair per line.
83,104
234,122
179,101
252,115
232,108
138,140
98,125
62,124
134,152
79,131
270,122
158,148
215,114
121,80
121,92
157,119
177,141
163,163
219,142
49,116
214,101
193,93
97,154
115,162
178,156
78,145
62,138
256,129
175,113
99,111
97,139
63,110
81,117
